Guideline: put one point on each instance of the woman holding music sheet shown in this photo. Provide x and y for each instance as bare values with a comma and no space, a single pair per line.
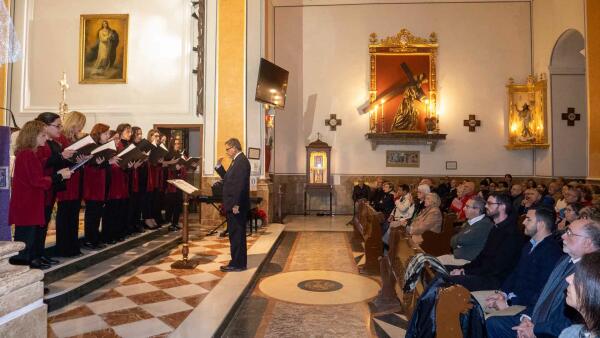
138,182
95,179
118,193
161,184
52,156
155,184
69,200
29,184
174,196
151,171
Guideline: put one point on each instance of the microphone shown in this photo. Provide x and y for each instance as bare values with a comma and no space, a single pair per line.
15,127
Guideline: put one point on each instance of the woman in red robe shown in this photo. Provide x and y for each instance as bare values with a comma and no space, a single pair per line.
29,184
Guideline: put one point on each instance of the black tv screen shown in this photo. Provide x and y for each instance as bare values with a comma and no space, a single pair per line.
272,84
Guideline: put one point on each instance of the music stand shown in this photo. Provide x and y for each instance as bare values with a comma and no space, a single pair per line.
187,190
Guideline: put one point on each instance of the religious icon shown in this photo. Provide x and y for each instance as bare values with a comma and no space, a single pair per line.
527,114
103,48
403,84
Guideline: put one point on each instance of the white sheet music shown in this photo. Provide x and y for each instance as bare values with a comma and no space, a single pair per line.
183,186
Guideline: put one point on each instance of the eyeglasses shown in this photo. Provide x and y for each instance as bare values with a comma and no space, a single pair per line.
57,126
470,207
570,233
492,203
227,149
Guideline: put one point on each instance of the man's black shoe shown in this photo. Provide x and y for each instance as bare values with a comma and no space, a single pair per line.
229,268
48,260
37,264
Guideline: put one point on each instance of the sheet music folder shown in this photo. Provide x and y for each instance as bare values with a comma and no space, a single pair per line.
184,186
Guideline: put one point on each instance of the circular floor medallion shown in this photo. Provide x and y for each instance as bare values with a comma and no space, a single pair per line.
318,287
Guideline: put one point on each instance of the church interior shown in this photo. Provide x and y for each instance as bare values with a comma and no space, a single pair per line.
417,168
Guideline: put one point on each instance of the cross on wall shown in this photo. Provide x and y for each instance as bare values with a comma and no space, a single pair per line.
570,116
472,123
333,122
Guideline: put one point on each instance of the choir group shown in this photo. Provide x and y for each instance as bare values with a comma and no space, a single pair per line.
120,177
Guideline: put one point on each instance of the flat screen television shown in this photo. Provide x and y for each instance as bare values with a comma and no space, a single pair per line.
272,84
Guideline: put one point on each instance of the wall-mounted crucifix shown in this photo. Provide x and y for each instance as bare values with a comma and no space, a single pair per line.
472,123
333,122
570,116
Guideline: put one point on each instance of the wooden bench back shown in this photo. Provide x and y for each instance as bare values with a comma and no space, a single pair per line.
439,244
367,227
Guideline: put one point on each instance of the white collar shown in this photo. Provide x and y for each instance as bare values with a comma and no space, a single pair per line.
475,219
236,155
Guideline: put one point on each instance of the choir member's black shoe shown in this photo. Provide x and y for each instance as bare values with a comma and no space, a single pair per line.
111,242
100,246
229,268
37,264
89,245
174,228
48,260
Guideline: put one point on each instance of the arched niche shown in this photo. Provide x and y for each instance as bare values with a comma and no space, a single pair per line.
568,98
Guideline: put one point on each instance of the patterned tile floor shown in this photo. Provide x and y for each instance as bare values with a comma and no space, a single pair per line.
151,301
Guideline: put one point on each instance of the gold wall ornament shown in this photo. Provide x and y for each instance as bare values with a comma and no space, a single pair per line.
402,86
527,113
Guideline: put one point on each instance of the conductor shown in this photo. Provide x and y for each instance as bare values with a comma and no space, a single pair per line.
236,202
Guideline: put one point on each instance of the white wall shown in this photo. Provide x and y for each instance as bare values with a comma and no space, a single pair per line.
325,48
551,18
159,80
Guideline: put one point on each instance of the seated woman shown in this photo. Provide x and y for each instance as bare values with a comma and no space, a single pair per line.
404,205
571,214
583,294
429,219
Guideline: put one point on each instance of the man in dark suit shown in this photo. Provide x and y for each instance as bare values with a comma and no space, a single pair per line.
500,252
236,202
538,258
550,315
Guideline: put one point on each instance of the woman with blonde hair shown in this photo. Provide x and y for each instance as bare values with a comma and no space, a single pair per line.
29,183
429,219
69,200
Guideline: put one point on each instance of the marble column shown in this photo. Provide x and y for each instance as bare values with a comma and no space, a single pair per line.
264,189
22,311
592,54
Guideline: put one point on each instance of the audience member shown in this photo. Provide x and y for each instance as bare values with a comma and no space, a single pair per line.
570,195
360,190
429,219
571,214
508,179
538,258
422,190
500,253
548,316
469,242
385,204
463,194
516,195
404,206
583,294
376,192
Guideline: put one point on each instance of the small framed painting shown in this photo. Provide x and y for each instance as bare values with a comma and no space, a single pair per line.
253,153
401,158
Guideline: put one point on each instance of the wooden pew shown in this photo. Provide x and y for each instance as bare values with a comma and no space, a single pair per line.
391,299
367,228
439,244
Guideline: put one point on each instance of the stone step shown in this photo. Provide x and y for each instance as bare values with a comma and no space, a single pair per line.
90,271
69,266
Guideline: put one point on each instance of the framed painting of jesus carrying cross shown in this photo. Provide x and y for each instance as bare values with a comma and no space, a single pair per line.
402,90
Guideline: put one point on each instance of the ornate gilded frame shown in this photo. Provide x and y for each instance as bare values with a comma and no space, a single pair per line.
117,22
534,94
403,43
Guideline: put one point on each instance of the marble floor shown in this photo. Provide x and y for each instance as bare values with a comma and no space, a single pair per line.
156,300
310,287
302,281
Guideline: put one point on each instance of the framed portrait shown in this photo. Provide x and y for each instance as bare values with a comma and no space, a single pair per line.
3,178
402,90
253,153
103,48
527,125
401,158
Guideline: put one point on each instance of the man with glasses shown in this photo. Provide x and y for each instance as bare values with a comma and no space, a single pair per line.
550,315
500,253
538,258
469,242
236,202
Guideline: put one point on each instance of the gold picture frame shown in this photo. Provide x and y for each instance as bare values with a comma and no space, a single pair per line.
527,114
402,158
403,84
103,42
